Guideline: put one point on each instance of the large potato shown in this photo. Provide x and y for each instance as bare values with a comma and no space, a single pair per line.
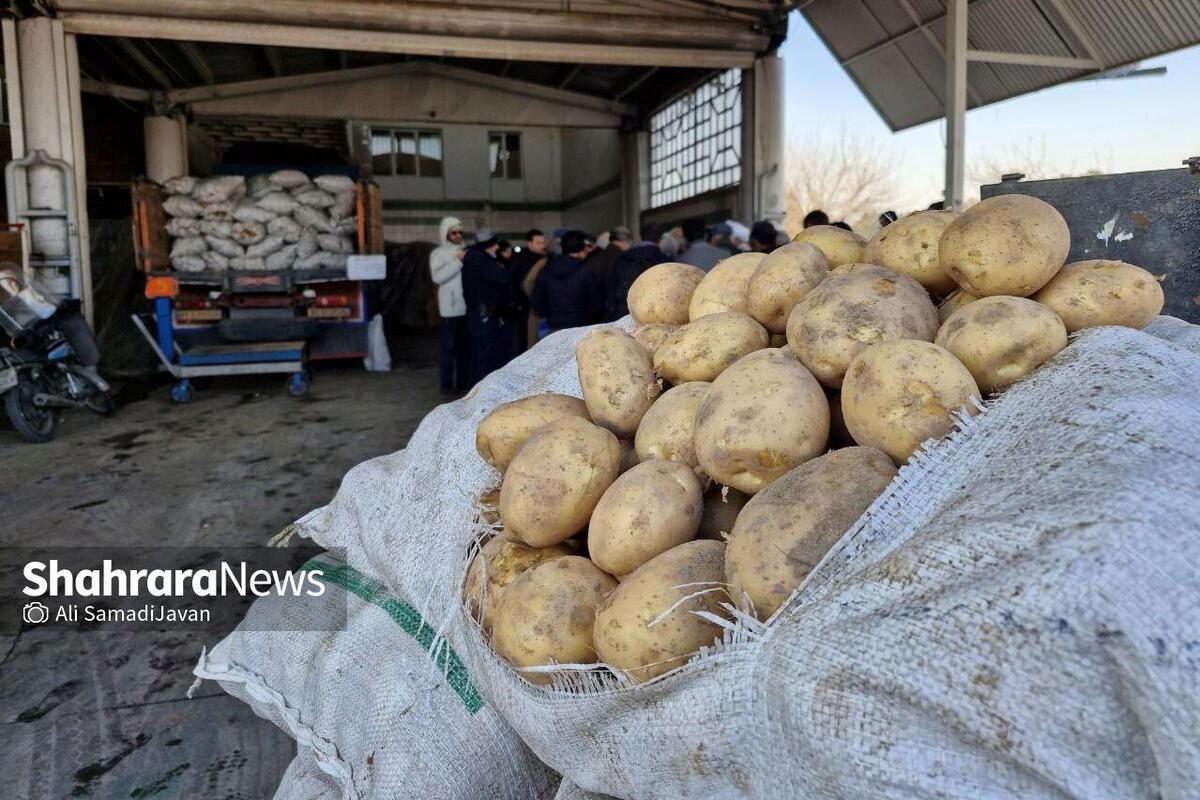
781,279
668,428
857,306
898,394
1010,244
508,426
548,615
787,528
652,335
645,627
702,350
501,559
725,286
763,416
662,294
648,510
953,302
839,245
1002,339
618,380
1089,293
721,508
556,479
910,246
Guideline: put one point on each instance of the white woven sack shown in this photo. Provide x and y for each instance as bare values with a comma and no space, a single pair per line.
222,229
333,243
288,178
335,184
182,206
314,218
382,707
277,203
180,227
304,780
307,243
226,247
188,246
260,185
248,233
220,189
283,258
322,259
182,184
343,206
314,198
216,261
218,211
249,211
266,247
189,263
246,263
1017,615
286,227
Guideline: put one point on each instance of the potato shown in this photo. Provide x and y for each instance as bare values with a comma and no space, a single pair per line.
763,416
910,246
648,510
1002,339
857,306
840,246
618,380
1009,244
508,426
898,394
503,558
721,508
787,528
781,279
651,336
668,428
662,294
1089,293
548,615
953,302
725,286
645,627
702,350
556,479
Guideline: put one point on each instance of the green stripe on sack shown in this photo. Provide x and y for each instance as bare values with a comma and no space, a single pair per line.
410,621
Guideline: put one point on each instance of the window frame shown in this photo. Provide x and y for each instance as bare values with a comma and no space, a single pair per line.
505,162
394,132
696,141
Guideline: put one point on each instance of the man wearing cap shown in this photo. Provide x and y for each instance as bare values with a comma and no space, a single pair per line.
487,292
705,251
445,266
566,293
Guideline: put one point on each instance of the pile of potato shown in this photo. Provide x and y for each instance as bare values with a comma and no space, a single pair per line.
712,462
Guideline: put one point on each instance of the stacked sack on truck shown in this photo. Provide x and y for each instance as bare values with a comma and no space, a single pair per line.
278,221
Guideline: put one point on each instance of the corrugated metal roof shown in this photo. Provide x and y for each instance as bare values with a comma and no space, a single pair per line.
894,49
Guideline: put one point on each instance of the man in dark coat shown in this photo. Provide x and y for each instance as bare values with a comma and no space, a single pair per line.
487,290
531,252
566,293
626,268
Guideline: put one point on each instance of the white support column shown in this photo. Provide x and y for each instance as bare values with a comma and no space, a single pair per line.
166,147
956,102
747,189
769,202
635,178
46,124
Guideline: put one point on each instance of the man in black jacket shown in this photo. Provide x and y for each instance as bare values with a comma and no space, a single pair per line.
566,293
533,251
627,267
487,291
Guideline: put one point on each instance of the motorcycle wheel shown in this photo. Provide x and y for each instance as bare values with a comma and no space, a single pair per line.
34,424
100,402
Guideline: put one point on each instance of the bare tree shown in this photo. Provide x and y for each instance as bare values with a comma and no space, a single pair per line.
848,176
1031,159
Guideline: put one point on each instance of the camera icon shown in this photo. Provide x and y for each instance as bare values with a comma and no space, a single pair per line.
35,613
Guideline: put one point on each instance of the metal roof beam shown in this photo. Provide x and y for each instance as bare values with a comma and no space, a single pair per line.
194,58
117,90
635,83
899,37
570,76
274,60
1077,31
143,61
1031,60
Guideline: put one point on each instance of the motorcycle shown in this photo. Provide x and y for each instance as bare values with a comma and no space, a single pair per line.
51,362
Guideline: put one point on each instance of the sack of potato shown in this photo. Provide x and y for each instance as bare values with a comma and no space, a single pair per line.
660,573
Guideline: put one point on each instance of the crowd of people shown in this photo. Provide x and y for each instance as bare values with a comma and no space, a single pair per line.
497,298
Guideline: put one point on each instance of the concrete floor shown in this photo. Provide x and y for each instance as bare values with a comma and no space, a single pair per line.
88,714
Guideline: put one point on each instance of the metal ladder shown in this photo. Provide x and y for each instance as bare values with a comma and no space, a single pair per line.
48,268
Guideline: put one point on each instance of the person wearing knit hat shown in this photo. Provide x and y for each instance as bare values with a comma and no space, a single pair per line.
445,267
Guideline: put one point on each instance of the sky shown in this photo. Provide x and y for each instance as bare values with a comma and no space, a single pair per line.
1123,125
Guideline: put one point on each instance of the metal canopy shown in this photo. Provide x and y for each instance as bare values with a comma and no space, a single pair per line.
895,49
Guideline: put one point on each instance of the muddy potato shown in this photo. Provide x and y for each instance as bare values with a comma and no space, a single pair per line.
651,336
502,559
702,350
781,279
1002,339
618,380
1010,244
643,628
898,394
668,428
857,306
910,246
556,479
839,246
1089,293
548,615
662,294
763,416
725,287
721,508
508,426
787,528
953,302
648,510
